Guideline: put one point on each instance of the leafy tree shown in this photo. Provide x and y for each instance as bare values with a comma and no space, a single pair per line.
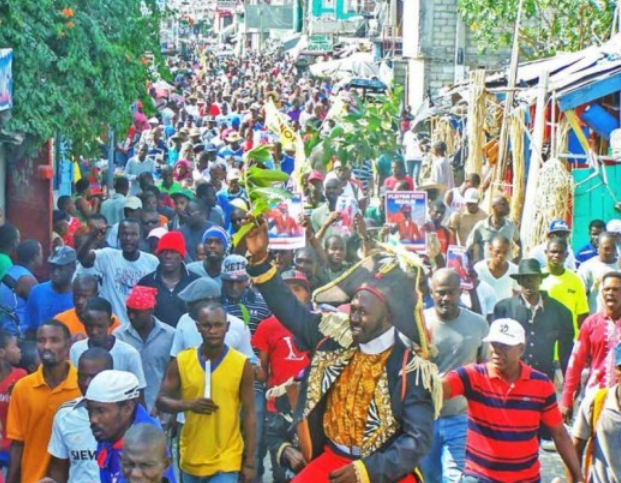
78,64
547,27
370,129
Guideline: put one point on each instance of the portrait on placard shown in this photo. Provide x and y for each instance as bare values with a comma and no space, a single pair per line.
405,216
285,233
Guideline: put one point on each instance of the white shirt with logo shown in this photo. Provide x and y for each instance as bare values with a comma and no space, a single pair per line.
119,276
73,440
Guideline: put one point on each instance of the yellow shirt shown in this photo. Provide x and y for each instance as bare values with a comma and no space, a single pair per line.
349,399
569,290
212,443
31,414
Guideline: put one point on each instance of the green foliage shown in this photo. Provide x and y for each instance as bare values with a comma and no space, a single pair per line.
78,65
261,186
369,130
547,27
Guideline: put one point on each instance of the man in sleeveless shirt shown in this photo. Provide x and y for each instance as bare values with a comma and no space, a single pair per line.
213,386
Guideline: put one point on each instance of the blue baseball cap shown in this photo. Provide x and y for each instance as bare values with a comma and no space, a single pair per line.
618,355
559,225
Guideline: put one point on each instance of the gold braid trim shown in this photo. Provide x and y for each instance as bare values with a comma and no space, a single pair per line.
338,279
266,277
281,450
362,476
427,374
335,325
278,391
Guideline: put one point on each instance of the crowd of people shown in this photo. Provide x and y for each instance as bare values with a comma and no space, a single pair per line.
163,348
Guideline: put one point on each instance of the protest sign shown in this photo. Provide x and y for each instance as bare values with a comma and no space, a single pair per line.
285,233
457,259
348,209
405,215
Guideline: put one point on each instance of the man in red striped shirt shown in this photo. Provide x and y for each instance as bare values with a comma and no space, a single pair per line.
508,401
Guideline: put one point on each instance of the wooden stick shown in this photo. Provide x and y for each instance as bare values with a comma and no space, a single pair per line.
500,167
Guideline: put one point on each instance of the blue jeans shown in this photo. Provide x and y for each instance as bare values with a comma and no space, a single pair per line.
217,478
261,451
445,462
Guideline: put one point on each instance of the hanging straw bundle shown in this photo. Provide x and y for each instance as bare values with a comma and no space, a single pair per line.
442,130
476,121
516,131
553,198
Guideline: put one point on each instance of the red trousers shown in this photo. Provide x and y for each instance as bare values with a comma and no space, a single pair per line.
318,470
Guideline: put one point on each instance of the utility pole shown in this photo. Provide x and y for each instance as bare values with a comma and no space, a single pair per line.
504,130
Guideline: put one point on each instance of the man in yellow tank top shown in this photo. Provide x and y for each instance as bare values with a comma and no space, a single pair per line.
212,447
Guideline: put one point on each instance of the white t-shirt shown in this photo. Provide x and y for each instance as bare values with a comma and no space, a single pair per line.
591,273
411,146
120,275
124,358
73,440
539,254
503,286
487,298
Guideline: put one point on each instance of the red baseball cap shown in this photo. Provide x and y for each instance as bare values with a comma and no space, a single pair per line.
315,176
295,276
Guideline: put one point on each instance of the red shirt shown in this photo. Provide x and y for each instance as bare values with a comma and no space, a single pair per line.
6,387
74,225
285,359
445,237
408,231
502,442
597,339
391,182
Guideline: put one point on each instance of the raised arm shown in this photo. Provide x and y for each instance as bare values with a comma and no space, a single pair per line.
86,254
303,323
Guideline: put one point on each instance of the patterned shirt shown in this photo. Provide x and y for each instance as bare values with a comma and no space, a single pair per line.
348,402
598,336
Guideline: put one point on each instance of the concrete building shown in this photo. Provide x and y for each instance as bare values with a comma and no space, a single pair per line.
438,48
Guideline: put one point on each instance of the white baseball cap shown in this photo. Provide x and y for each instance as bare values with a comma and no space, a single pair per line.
113,386
505,331
614,226
233,174
158,232
471,195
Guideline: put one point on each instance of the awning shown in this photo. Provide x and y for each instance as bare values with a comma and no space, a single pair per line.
359,65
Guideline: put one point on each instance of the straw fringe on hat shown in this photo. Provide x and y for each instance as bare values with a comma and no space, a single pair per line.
392,273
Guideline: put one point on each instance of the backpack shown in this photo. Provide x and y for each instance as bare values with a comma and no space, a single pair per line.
597,408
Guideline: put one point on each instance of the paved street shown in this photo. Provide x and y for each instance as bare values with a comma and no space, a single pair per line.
551,466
